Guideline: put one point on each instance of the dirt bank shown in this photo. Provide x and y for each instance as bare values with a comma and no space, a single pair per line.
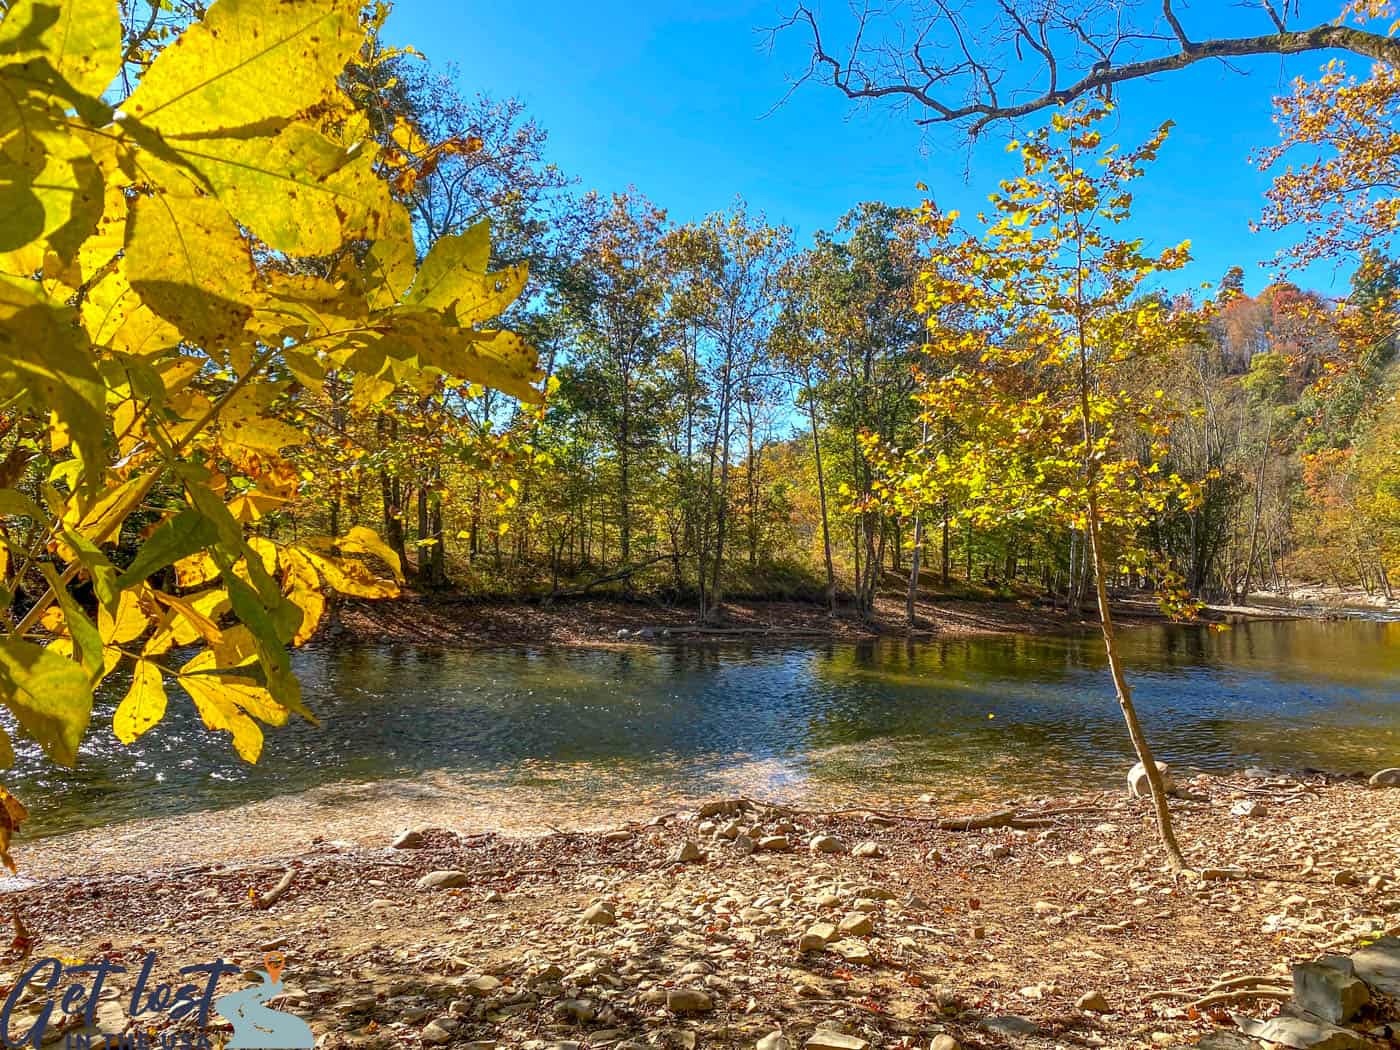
990,936
459,622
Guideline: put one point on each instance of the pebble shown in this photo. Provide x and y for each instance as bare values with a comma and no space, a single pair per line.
773,1041
944,1042
825,1039
775,844
856,924
816,937
434,1034
826,844
687,852
601,914
443,880
1094,1002
868,849
407,839
689,1001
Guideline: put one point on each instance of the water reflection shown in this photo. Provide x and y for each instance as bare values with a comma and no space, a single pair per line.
961,717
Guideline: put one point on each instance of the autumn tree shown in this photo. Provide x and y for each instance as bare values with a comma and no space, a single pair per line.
153,334
1035,327
727,288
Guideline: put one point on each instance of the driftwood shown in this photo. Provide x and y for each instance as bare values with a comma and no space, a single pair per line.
272,896
1001,818
1241,995
1232,990
612,577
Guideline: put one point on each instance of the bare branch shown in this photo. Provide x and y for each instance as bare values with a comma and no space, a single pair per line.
1023,57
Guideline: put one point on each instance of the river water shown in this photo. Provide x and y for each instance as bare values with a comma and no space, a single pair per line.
594,730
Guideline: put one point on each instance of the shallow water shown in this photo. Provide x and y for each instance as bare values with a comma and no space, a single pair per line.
598,729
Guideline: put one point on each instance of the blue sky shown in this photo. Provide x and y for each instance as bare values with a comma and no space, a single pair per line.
671,97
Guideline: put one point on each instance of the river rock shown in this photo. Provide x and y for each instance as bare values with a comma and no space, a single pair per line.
604,913
744,845
481,987
1249,808
775,843
443,880
407,839
773,1041
825,1039
1138,785
944,1042
868,849
856,924
580,1010
816,937
689,1001
435,1034
686,852
1386,778
826,844
1010,1024
1378,964
1093,1002
854,951
1330,989
1301,1034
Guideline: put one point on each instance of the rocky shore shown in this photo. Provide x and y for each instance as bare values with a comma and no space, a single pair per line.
1049,922
458,622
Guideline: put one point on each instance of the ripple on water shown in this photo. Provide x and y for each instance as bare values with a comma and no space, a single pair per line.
577,732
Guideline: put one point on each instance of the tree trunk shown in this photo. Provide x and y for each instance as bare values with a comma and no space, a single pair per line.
821,499
1110,640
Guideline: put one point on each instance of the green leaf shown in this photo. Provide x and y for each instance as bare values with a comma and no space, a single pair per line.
272,629
85,634
189,532
17,504
49,694
46,360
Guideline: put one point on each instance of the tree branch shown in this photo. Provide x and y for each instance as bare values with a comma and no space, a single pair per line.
1064,39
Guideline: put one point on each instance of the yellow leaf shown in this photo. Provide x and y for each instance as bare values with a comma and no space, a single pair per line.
81,39
361,540
313,607
351,577
49,694
191,265
101,520
195,570
144,704
247,62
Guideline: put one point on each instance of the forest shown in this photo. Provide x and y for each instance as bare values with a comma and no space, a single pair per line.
300,327
713,387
